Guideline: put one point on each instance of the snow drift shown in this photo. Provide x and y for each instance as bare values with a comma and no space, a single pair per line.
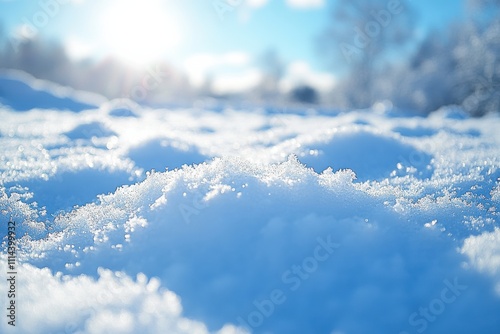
196,221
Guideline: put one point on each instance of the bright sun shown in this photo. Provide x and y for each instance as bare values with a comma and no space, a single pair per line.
139,32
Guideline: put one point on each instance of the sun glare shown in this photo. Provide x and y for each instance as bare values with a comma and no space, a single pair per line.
139,32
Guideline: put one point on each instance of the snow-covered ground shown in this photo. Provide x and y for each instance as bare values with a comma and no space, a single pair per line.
140,220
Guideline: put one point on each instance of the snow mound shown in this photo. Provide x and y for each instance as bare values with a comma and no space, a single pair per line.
89,131
22,92
121,108
415,132
58,192
371,155
122,112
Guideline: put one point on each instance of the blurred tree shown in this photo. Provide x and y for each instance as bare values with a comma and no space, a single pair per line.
459,66
49,60
304,94
465,62
477,53
3,44
2,37
361,36
424,82
273,68
42,59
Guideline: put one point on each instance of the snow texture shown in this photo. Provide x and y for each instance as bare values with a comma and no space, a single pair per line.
186,220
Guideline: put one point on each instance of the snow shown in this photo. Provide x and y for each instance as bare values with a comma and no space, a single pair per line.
22,92
197,220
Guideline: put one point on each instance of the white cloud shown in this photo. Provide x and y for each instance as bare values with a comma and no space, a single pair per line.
197,67
305,3
200,66
236,58
237,83
78,49
291,3
246,11
256,3
300,73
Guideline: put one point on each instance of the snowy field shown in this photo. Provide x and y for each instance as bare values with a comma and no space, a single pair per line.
203,220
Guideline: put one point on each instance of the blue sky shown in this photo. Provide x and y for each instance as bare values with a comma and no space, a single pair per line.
192,33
